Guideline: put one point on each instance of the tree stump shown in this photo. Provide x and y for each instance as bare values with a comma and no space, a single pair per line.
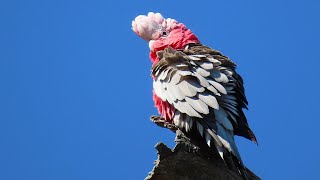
190,161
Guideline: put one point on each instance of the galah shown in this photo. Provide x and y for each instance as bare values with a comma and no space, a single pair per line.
194,86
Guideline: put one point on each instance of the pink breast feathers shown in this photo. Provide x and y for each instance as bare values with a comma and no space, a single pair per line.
164,108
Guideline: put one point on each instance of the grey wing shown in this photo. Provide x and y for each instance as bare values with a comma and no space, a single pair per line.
202,91
235,92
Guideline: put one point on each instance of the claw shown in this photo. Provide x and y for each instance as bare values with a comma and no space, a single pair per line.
161,122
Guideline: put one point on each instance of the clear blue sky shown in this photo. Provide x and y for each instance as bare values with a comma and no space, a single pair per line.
75,96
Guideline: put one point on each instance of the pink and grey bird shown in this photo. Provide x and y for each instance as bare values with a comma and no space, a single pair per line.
195,87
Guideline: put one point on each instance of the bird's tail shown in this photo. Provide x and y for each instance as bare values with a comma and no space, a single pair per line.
216,136
223,140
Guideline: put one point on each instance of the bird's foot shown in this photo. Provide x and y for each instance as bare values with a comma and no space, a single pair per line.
183,142
163,123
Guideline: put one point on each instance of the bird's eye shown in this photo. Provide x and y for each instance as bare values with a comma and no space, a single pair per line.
164,33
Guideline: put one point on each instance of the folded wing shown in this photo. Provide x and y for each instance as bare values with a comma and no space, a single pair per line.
206,92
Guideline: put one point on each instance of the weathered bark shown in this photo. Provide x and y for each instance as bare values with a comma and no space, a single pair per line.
190,161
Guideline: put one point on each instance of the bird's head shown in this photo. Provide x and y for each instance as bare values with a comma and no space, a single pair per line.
162,33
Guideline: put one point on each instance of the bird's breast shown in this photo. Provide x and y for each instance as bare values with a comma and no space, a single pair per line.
165,109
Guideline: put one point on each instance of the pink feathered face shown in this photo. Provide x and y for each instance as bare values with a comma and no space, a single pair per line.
153,26
162,33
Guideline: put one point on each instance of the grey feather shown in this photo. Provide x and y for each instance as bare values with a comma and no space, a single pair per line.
176,92
202,72
199,56
190,87
219,77
197,104
232,117
212,89
220,150
230,101
184,107
157,86
208,138
205,64
218,86
177,117
202,80
227,138
222,118
228,72
230,97
179,66
187,89
214,61
170,98
175,78
222,135
164,74
170,74
193,58
185,72
189,123
231,108
200,128
209,99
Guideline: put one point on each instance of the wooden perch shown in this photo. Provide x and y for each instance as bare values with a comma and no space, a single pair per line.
190,161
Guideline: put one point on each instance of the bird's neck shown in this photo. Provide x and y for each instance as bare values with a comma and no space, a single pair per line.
177,39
